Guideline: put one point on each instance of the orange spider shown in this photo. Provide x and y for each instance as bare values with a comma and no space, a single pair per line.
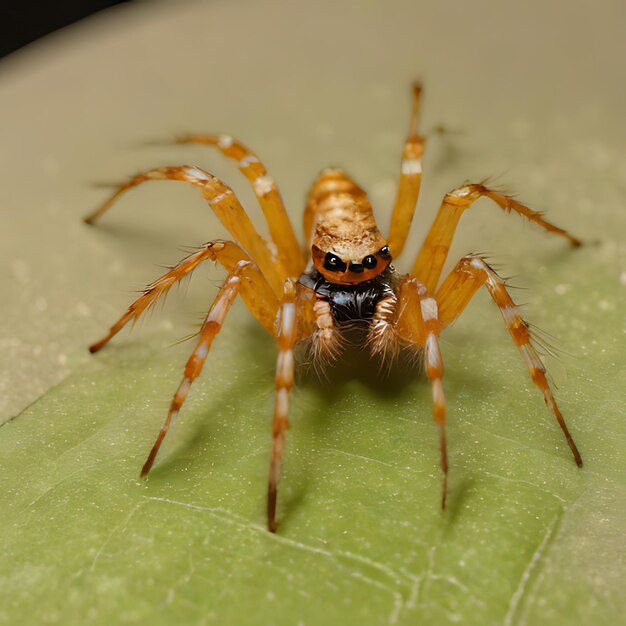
348,278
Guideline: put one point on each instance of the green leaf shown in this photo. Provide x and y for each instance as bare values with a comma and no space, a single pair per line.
527,536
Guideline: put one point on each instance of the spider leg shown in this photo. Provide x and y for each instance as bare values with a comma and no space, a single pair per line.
288,334
211,326
267,194
226,206
459,287
418,324
255,291
434,251
410,181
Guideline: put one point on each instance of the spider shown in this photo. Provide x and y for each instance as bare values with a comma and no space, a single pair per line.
345,277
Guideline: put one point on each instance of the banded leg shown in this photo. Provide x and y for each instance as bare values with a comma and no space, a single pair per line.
434,251
225,205
285,367
456,291
211,326
410,181
255,291
418,323
267,194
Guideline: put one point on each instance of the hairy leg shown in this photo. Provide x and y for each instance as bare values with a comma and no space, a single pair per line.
410,181
211,326
456,291
418,324
255,290
267,193
286,338
225,205
432,256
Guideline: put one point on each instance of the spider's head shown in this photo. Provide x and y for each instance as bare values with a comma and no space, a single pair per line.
346,246
350,249
344,269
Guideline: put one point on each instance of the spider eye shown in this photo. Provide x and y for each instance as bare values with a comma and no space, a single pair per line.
369,262
384,253
333,263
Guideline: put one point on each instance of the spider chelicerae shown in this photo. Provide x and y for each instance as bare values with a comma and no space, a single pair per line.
345,276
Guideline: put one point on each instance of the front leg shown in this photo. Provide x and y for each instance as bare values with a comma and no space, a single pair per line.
255,290
434,251
468,276
286,336
418,325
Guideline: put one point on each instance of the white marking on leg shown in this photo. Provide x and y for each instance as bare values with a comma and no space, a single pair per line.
183,388
248,160
224,141
429,309
461,192
433,353
202,351
531,357
411,166
220,196
478,263
285,363
438,398
282,402
493,281
220,308
263,185
511,316
197,175
273,251
288,317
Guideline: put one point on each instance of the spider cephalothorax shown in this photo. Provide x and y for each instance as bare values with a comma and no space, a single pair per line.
349,279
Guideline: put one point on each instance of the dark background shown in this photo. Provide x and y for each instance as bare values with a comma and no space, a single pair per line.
22,22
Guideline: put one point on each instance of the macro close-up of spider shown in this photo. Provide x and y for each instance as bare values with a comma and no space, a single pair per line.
342,290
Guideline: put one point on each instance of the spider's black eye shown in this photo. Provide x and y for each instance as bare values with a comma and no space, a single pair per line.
384,253
369,262
333,263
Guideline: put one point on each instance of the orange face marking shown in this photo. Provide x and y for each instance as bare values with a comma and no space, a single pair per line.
349,272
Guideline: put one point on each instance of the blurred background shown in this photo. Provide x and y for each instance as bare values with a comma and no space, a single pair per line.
23,22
